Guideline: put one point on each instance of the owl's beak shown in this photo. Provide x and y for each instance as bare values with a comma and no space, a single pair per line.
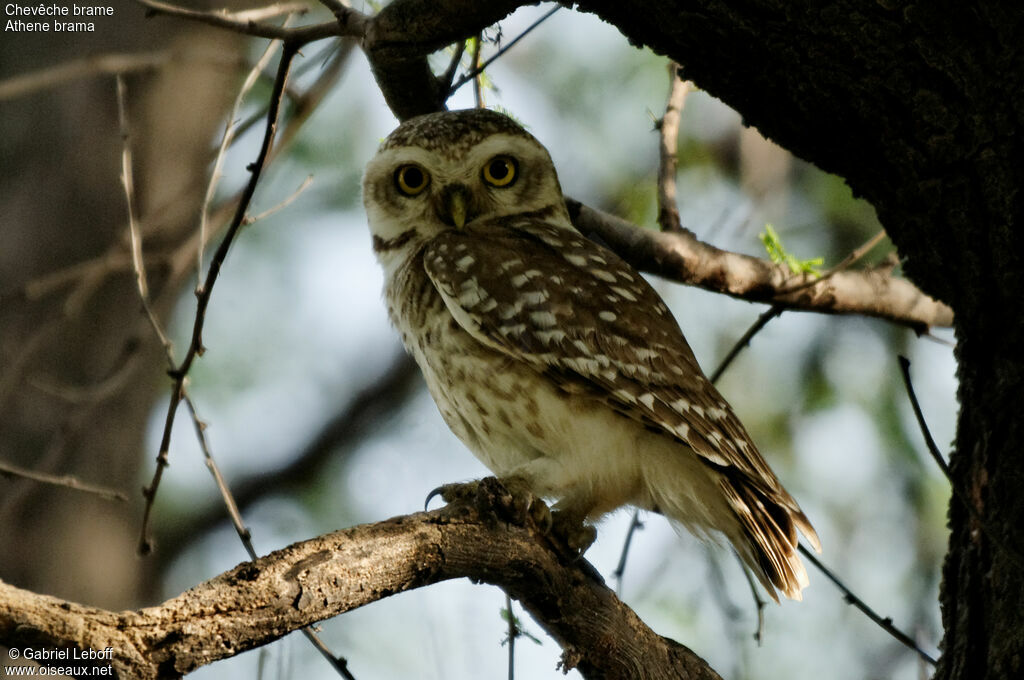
454,205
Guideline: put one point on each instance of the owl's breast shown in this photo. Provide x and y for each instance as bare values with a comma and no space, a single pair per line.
490,401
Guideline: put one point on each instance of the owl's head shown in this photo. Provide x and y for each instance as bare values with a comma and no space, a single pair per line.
448,170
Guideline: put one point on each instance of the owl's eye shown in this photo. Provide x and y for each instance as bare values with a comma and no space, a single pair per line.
411,179
500,171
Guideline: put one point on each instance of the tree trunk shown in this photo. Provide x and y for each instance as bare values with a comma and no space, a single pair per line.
919,107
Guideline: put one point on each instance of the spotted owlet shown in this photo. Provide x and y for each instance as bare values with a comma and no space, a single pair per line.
552,359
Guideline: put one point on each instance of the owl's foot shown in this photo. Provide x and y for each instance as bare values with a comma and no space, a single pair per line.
570,529
509,498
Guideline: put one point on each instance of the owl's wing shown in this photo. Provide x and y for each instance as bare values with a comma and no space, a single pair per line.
546,296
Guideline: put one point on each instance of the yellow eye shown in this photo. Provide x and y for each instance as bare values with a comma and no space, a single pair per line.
500,171
411,179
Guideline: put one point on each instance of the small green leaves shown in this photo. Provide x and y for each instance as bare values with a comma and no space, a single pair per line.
777,253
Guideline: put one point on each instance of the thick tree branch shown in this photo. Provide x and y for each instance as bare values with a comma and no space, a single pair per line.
681,257
261,601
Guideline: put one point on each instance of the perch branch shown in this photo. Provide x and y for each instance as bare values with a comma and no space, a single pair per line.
260,601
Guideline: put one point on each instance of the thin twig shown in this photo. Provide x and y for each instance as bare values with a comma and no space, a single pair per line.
478,94
203,294
744,341
306,183
847,261
244,534
230,127
933,449
482,67
66,481
513,633
759,602
99,64
668,129
445,79
620,569
884,623
247,21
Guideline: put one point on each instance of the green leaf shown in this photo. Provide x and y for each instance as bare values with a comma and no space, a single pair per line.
778,254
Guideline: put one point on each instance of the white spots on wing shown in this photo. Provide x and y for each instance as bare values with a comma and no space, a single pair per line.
647,399
624,293
509,311
544,319
520,280
612,298
697,410
604,275
606,315
610,375
619,340
577,260
489,305
443,248
470,293
534,297
623,274
514,329
464,263
715,413
682,431
645,354
581,346
548,337
597,259
508,265
625,395
680,406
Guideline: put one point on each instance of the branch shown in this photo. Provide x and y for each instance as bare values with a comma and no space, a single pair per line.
681,257
260,601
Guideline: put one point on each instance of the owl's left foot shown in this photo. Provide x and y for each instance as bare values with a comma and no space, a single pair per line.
510,499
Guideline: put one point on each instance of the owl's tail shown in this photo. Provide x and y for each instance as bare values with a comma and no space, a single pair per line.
769,522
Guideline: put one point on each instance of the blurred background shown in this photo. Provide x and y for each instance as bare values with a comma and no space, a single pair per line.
316,419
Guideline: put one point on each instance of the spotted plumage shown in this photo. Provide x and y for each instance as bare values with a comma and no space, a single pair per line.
551,358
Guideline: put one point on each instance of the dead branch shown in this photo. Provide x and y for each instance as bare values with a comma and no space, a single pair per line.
260,601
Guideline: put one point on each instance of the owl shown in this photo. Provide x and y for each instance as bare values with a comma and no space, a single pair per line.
551,358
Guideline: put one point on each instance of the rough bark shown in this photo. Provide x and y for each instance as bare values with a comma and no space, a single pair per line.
260,601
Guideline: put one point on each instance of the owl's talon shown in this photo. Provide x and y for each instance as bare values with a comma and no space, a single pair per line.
571,531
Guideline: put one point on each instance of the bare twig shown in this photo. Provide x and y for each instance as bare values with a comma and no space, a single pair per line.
933,449
513,633
204,292
744,341
478,94
847,261
668,129
478,69
113,63
66,481
620,569
306,183
930,444
247,21
883,623
226,139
